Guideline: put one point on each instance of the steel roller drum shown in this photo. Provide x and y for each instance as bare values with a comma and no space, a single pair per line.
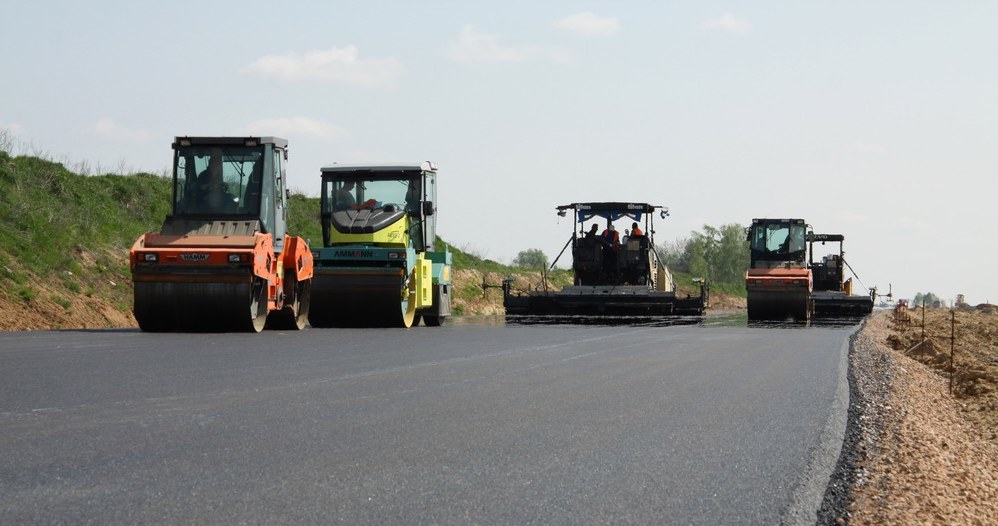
360,299
200,307
779,305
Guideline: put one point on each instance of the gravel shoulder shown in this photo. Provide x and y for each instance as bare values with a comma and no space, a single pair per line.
914,453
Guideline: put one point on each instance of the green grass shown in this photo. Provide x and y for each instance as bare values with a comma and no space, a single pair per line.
303,218
27,294
685,281
54,223
729,288
49,214
62,302
72,286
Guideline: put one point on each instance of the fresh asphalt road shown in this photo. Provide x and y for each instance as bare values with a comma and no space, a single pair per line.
463,424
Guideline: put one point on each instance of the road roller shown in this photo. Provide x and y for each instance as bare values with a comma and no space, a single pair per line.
778,281
223,260
379,265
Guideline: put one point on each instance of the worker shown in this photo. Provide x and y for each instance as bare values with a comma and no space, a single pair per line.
344,196
211,193
592,231
635,231
627,234
610,236
611,246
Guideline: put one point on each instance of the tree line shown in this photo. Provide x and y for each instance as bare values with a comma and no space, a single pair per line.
928,299
720,254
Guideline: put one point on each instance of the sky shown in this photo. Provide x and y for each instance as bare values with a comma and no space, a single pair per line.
876,120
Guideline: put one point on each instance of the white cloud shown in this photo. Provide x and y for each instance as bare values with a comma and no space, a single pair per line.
589,24
727,22
479,47
111,130
296,127
868,147
336,65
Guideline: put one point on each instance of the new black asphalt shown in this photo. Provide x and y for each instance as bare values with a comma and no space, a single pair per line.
463,424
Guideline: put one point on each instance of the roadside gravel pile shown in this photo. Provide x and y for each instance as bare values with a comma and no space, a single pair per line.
919,458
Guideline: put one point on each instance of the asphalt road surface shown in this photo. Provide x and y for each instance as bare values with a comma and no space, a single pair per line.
464,424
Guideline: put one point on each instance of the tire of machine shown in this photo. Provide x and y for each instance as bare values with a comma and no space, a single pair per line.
294,315
257,307
440,299
407,315
434,321
306,302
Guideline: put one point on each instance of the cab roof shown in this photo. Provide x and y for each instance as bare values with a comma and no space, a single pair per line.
228,141
426,166
610,211
611,207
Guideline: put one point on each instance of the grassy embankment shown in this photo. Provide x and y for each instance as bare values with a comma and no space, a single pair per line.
64,238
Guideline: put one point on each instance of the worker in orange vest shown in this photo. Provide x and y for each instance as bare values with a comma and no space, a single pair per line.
610,236
635,231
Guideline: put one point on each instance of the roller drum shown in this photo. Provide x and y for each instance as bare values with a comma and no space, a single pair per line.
200,307
360,300
779,305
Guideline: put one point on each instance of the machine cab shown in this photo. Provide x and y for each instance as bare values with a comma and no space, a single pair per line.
597,261
385,205
829,273
232,179
778,243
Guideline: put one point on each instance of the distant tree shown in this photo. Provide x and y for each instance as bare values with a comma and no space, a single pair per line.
719,254
672,253
929,299
531,258
731,256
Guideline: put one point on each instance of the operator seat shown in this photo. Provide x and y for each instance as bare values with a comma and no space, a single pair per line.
634,260
587,260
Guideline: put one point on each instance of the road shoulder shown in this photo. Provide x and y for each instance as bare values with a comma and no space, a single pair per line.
910,456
